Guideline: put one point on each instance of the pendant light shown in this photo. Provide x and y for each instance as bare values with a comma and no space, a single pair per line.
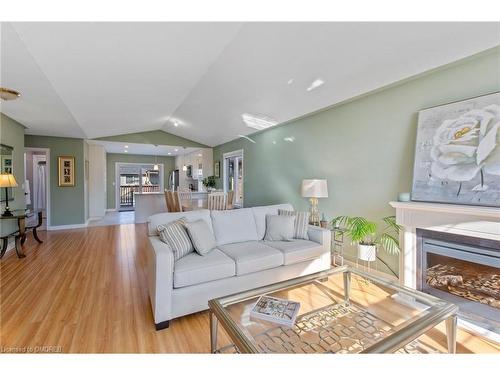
156,167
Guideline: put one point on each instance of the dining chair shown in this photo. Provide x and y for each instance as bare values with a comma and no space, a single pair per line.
217,201
230,200
177,207
186,200
168,200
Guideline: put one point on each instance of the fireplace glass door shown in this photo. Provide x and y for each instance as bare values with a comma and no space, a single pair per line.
467,276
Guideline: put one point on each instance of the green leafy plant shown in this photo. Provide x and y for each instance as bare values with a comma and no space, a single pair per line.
364,232
209,182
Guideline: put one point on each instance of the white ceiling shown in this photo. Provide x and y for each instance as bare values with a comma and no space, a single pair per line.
142,148
99,79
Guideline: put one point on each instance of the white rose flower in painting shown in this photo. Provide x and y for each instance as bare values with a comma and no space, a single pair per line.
468,146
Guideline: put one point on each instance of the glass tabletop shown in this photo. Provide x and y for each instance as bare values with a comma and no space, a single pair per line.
343,310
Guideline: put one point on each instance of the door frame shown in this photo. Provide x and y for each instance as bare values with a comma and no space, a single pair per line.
117,179
225,156
47,179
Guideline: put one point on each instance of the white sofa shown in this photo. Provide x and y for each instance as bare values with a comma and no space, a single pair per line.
241,261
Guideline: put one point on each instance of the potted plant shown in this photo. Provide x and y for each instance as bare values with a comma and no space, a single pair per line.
364,233
209,182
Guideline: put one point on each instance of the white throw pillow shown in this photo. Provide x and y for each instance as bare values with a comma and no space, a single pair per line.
174,235
301,223
201,236
279,228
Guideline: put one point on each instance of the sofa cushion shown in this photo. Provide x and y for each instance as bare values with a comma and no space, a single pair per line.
279,228
232,226
201,236
167,217
260,213
196,269
297,251
252,256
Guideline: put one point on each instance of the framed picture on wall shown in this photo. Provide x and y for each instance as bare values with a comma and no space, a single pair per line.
66,168
457,157
217,169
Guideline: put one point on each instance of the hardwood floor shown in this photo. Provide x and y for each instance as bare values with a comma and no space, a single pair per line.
85,291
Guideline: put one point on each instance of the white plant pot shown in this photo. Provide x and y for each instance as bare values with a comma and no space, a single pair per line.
367,253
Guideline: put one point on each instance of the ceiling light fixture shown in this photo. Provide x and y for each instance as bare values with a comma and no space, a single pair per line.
176,150
176,124
9,94
247,138
258,122
290,81
315,84
289,139
126,146
126,150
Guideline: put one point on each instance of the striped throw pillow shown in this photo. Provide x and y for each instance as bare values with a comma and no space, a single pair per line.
301,223
174,234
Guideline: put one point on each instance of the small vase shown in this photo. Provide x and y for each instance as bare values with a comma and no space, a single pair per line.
367,253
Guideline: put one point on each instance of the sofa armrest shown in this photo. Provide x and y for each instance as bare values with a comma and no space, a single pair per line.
160,273
319,235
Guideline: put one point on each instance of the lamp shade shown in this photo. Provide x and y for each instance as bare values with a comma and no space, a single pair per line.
314,189
7,180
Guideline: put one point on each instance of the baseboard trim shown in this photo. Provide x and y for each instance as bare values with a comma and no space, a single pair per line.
68,226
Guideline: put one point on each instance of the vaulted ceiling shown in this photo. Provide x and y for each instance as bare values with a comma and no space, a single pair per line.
195,80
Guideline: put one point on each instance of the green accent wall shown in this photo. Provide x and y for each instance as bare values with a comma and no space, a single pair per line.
167,161
12,134
363,147
67,204
155,137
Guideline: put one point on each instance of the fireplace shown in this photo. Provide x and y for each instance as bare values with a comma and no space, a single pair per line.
463,270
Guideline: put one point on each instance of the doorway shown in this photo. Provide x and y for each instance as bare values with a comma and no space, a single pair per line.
36,182
132,178
233,175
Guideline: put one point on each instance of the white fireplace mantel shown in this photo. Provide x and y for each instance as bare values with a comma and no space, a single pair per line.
474,221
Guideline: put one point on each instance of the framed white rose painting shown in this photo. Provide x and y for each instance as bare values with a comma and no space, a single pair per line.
457,155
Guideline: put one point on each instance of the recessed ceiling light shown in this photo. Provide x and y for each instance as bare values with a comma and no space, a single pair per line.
315,84
176,124
176,150
247,138
169,153
126,146
9,94
290,81
199,155
258,122
289,139
126,150
274,142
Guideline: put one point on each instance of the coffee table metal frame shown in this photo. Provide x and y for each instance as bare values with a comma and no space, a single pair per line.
438,311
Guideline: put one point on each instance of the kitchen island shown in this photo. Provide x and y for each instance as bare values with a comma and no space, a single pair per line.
147,204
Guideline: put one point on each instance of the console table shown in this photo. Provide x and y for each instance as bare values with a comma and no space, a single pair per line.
20,234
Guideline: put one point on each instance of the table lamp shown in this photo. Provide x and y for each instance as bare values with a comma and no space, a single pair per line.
7,181
314,189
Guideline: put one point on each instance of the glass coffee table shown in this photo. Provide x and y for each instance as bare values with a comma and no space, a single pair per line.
342,310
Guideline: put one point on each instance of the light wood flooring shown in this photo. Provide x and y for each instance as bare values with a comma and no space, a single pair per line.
85,291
